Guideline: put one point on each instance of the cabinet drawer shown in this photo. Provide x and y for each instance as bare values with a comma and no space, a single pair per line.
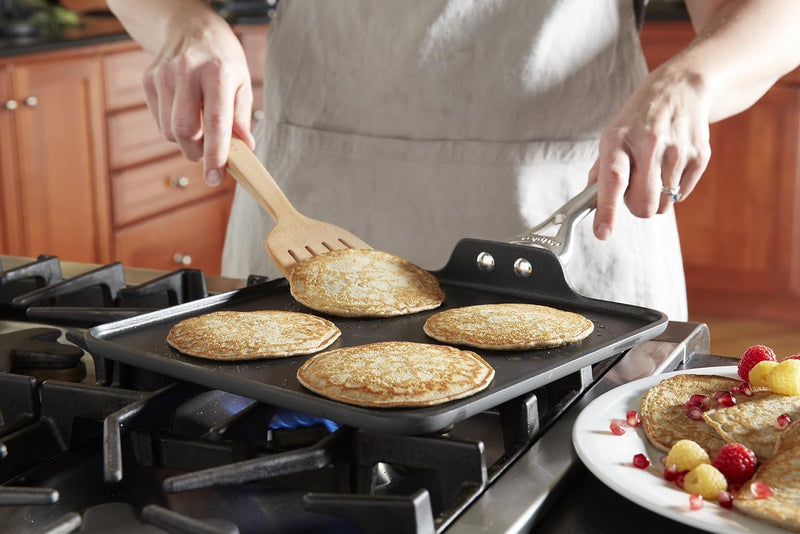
156,187
134,137
122,78
196,231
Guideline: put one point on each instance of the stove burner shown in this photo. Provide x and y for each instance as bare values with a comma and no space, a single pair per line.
36,348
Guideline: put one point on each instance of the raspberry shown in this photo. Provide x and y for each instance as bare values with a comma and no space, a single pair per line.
758,374
753,355
784,378
736,462
686,455
793,357
706,480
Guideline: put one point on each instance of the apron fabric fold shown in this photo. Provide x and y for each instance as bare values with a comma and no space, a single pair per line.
416,125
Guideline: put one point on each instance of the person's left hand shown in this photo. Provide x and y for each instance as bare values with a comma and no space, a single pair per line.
659,140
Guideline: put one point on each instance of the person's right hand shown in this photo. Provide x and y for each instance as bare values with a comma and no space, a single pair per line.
199,91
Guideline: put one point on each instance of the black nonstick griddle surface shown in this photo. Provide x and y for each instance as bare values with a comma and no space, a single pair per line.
141,341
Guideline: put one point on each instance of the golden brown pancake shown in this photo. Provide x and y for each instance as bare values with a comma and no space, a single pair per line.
782,474
230,335
396,374
752,420
663,411
364,283
508,326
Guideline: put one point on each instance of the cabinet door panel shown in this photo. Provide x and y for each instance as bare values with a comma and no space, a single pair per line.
10,236
134,137
156,187
63,187
196,231
123,78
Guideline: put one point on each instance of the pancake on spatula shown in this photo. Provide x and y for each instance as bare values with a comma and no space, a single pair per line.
663,411
364,283
396,374
231,335
782,474
752,420
508,326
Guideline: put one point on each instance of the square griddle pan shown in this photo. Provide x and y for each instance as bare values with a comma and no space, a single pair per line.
468,278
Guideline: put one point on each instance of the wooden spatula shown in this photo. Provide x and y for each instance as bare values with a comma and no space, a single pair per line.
295,237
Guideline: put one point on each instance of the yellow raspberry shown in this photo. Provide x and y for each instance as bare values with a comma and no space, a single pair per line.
686,455
784,378
759,372
706,480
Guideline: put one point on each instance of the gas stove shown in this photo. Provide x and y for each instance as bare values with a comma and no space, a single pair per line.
95,445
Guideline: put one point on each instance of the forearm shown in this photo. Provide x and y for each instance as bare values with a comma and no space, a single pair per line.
151,23
742,48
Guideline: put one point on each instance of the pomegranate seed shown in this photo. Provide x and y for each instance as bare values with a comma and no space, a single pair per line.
633,418
640,461
745,389
726,399
761,490
700,401
671,473
695,413
616,429
783,420
695,501
680,478
725,499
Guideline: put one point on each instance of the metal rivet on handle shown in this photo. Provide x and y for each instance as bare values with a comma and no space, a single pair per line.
485,262
523,268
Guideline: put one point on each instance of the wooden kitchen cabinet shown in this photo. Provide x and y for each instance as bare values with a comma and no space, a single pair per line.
54,186
740,229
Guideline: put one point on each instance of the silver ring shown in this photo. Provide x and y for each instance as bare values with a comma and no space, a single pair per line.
673,192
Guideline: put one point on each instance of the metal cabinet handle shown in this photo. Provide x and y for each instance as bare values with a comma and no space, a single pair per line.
182,259
11,105
179,182
31,101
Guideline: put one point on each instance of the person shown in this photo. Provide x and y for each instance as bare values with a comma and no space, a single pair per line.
413,125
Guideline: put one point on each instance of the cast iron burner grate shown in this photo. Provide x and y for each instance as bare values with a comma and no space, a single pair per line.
38,291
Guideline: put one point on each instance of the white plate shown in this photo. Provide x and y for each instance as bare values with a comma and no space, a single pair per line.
610,458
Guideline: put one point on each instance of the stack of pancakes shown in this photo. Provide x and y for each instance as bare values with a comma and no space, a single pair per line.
751,422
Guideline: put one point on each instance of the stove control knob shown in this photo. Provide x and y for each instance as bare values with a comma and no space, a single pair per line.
11,105
179,182
31,101
182,259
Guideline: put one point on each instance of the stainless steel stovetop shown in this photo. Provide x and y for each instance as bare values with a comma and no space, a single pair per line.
541,487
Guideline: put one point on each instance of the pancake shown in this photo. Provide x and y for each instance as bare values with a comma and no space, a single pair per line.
364,283
752,420
396,374
782,474
230,335
663,411
509,326
790,437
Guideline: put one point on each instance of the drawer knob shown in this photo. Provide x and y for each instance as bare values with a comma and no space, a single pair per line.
182,259
31,101
11,105
179,182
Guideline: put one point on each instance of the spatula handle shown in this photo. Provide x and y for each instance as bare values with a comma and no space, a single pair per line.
247,169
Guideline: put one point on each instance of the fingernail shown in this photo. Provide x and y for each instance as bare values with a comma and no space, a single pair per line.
603,231
212,178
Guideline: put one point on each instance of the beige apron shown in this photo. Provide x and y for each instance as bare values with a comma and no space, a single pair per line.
416,125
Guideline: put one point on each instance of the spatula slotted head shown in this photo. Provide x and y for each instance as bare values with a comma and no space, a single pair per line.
289,243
